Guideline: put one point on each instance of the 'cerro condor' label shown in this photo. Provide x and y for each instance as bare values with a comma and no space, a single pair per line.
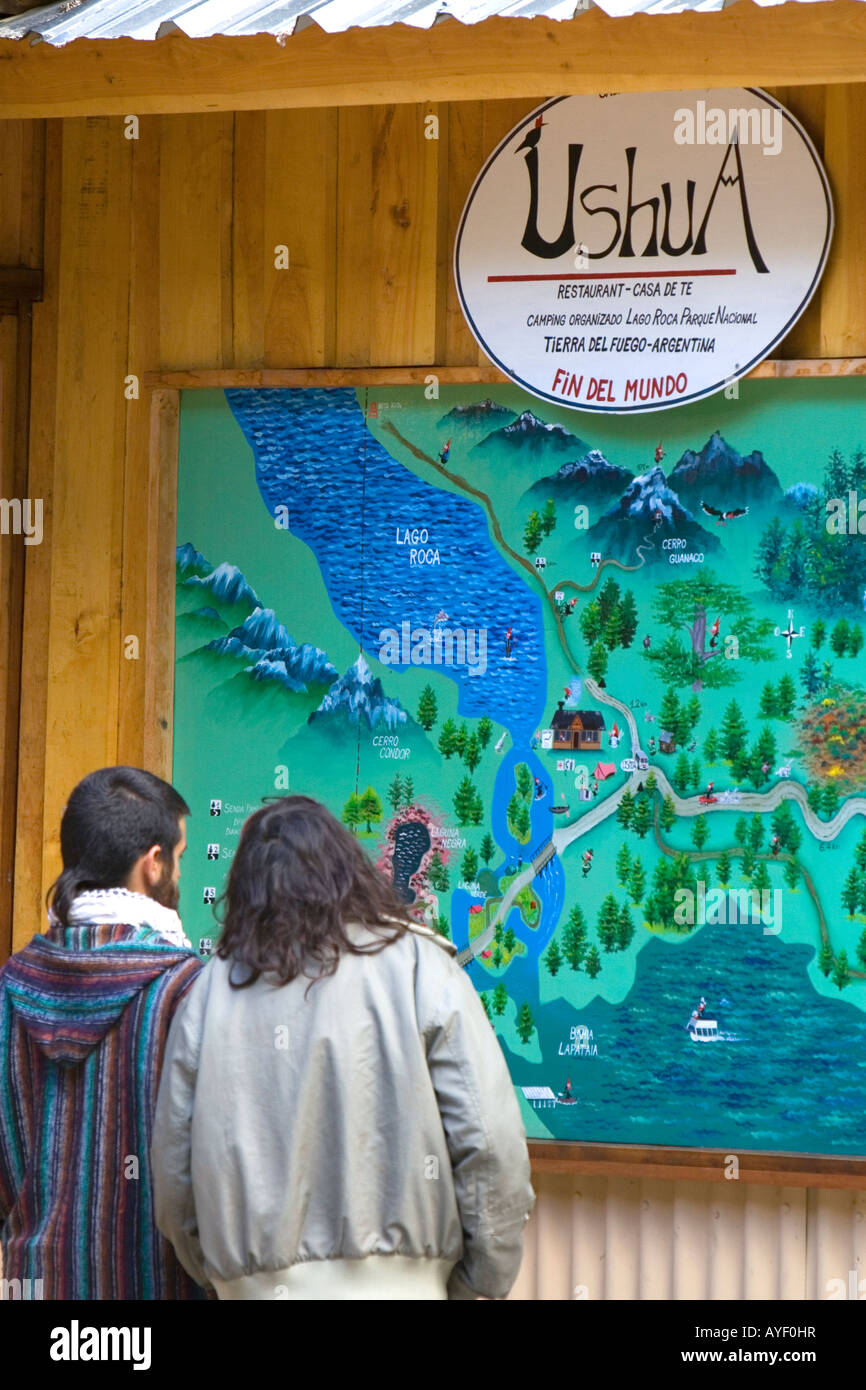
633,252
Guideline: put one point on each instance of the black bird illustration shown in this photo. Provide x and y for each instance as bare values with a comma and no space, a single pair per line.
722,517
533,136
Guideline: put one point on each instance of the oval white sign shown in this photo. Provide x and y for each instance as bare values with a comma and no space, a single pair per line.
633,252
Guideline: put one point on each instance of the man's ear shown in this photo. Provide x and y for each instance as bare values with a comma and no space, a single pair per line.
146,871
152,864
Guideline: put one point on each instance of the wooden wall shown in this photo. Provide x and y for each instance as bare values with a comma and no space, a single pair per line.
158,253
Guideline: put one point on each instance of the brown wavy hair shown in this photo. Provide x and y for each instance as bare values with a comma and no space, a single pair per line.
297,880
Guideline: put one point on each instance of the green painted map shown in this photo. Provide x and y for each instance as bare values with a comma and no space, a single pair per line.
591,691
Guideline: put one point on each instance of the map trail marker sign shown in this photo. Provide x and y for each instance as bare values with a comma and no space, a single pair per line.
629,252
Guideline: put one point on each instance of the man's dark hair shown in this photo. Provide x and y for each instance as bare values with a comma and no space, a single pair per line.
112,818
297,880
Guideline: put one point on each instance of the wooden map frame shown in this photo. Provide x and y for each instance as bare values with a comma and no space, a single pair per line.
549,1155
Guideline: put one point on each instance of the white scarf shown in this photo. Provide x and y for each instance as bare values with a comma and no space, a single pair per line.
120,906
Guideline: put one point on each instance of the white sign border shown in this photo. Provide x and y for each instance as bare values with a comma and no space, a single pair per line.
646,408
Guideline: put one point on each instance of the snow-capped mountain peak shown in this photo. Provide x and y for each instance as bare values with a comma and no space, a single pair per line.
227,584
359,695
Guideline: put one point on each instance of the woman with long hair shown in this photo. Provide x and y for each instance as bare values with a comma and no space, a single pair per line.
335,1118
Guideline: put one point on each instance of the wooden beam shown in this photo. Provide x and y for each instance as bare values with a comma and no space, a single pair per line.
15,344
744,44
28,902
161,524
220,380
84,652
843,291
695,1165
19,282
138,575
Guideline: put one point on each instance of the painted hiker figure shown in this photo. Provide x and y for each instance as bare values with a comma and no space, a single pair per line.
85,1010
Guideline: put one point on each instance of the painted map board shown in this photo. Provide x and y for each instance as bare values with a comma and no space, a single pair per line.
592,691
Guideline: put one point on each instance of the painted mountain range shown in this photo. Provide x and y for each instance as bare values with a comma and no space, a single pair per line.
648,511
225,583
722,478
590,478
357,697
272,654
485,412
528,435
268,652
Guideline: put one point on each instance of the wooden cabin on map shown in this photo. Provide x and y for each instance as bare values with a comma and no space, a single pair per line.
577,728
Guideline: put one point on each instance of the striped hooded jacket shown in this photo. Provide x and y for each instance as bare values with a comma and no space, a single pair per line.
84,1016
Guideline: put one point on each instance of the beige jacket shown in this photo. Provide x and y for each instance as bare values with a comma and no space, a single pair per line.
370,1116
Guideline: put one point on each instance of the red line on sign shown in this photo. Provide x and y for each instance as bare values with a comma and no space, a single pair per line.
618,275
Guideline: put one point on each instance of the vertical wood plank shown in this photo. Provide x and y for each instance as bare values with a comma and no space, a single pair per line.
761,1274
15,174
248,255
553,1236
161,543
17,404
12,552
589,1259
143,352
653,1238
300,213
195,292
691,1240
621,1247
809,105
465,159
499,118
84,645
354,277
21,191
28,908
404,241
858,1264
843,300
31,215
524,1287
792,1242
726,1240
444,243
831,1246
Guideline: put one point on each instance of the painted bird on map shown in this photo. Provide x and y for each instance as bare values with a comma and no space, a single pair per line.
722,517
443,453
714,632
660,453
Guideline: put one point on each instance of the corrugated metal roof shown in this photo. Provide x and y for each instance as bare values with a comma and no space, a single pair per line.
150,19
